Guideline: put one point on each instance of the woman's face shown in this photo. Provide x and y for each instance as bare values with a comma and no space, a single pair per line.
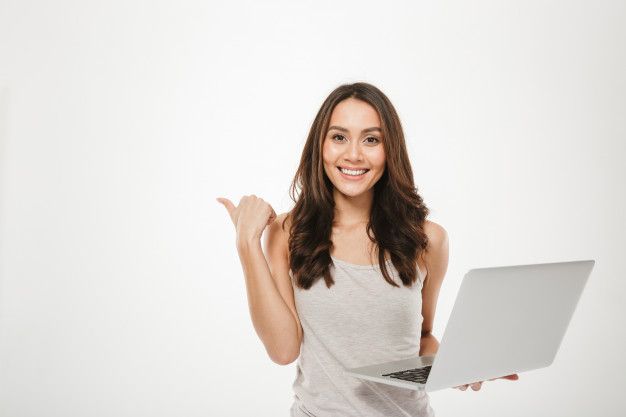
354,141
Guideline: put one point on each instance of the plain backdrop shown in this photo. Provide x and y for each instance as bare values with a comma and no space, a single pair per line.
121,292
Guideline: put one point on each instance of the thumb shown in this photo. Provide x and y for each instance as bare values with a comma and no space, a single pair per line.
226,203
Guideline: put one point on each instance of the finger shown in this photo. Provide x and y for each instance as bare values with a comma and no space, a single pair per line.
463,387
226,203
230,207
476,385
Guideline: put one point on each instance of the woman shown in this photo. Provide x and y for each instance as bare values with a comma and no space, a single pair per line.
351,274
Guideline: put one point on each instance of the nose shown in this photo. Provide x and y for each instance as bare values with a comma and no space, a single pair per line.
353,152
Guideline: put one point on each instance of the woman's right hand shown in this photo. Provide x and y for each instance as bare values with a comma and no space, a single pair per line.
250,217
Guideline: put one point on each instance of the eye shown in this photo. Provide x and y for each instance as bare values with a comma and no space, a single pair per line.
337,135
373,137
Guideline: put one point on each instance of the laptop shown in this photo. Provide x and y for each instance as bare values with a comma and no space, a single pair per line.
505,320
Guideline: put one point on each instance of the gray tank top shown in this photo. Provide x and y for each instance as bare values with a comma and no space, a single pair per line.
360,320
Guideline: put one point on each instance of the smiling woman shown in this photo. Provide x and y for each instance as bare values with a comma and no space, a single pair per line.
351,275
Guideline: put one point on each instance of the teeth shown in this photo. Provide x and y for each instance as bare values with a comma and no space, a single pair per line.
350,172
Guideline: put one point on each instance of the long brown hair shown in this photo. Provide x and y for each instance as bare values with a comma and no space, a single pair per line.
397,214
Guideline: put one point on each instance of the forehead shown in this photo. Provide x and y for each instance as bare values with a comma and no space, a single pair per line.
354,113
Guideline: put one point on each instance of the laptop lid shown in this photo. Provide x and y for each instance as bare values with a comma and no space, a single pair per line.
507,320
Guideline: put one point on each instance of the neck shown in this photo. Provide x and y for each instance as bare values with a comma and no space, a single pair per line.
352,211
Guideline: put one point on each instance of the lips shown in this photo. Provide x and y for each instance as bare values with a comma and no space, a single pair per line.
349,177
354,169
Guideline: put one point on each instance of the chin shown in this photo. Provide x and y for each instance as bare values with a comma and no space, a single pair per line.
352,192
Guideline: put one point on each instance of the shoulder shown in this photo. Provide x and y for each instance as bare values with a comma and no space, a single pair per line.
281,224
437,235
436,254
283,221
283,216
279,228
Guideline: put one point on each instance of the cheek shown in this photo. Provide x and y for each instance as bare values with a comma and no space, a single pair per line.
329,153
325,150
379,159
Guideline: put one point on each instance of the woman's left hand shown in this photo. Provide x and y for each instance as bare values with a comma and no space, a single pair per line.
476,385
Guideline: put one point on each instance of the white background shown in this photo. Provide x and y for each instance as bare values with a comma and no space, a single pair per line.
121,292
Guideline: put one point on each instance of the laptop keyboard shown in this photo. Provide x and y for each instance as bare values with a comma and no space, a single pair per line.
419,375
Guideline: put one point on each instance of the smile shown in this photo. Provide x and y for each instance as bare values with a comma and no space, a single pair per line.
353,174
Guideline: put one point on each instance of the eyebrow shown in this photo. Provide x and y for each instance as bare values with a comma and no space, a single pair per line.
343,129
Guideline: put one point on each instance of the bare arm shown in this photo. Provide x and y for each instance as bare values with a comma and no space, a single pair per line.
272,320
428,344
436,260
268,284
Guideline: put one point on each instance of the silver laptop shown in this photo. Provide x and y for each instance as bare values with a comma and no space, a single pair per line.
505,320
